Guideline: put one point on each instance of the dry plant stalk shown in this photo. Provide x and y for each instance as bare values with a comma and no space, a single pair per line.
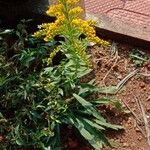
145,122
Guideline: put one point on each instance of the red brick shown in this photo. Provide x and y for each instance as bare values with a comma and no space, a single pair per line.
133,12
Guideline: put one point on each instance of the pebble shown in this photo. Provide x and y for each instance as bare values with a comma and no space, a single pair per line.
124,93
129,120
145,89
119,77
142,85
139,138
137,130
148,117
132,100
125,145
148,98
148,109
134,109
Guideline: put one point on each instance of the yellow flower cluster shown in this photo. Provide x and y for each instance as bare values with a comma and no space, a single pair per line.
85,27
60,20
72,2
53,54
70,26
47,31
42,32
55,10
75,11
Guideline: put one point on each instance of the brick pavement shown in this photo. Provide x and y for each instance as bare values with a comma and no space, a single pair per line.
130,12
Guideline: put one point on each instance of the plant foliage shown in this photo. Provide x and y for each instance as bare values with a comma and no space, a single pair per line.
139,57
36,98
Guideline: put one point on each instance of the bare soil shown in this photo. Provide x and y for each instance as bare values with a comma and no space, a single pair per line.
110,70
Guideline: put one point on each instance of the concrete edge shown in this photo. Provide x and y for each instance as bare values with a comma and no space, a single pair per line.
120,31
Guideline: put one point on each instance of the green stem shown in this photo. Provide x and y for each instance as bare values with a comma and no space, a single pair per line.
71,36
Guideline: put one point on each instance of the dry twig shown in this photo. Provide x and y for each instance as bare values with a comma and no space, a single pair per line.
115,53
137,103
144,74
147,128
141,130
137,119
133,113
123,81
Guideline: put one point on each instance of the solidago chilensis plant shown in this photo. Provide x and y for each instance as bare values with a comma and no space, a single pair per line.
38,100
63,82
70,26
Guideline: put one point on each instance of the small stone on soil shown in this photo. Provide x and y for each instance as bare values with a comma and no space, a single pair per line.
139,138
137,129
148,99
125,145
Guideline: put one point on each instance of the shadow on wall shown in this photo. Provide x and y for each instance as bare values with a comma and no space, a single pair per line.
12,11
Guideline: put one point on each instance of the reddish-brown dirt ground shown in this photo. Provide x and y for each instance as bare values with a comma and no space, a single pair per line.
109,70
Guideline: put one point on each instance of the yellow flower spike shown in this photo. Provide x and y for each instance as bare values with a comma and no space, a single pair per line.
76,11
72,2
91,22
79,23
60,19
55,10
97,40
52,55
69,25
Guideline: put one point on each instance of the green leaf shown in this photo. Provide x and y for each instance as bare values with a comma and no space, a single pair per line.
107,90
40,106
2,80
102,101
83,71
55,143
35,114
60,91
89,107
99,138
89,136
6,32
18,139
90,133
86,88
95,125
108,125
1,115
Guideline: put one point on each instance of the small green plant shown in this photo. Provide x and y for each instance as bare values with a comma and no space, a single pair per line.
139,57
21,61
